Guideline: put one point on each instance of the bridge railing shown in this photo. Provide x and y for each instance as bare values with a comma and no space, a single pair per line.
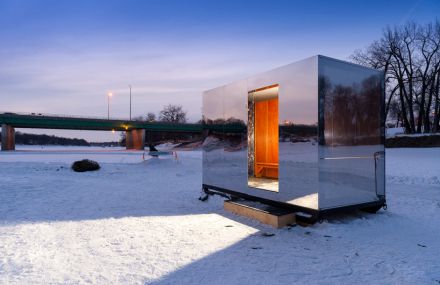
37,114
56,121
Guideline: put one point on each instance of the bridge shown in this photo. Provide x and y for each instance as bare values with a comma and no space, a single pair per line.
135,130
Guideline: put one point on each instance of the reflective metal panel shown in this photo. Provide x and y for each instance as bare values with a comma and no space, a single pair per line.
213,144
298,117
351,134
298,134
331,134
235,147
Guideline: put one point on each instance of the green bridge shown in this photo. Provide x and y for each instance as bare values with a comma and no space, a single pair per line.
135,130
42,121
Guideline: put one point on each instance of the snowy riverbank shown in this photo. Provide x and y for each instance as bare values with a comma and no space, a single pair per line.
137,222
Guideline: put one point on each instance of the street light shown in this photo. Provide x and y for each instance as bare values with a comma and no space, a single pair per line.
129,86
108,104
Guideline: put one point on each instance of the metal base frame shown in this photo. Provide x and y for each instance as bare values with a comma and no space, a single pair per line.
316,215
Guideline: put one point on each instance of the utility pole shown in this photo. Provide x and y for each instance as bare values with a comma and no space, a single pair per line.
130,100
108,105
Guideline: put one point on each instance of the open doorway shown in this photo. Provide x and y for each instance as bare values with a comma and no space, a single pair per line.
263,138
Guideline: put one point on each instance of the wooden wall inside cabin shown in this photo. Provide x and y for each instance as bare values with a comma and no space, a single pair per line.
266,135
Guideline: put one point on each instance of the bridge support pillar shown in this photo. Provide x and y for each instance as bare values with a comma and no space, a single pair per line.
149,138
135,139
8,137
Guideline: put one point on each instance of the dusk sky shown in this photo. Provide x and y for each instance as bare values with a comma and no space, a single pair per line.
63,57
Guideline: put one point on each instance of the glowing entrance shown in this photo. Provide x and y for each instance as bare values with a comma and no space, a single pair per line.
263,138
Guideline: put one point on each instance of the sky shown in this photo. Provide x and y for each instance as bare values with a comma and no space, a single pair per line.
63,57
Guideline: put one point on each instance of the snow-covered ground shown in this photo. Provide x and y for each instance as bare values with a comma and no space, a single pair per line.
400,132
139,222
391,132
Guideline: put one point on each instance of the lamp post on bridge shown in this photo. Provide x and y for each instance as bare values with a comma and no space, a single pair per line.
108,105
129,86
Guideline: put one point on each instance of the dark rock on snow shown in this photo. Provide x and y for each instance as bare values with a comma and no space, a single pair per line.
85,165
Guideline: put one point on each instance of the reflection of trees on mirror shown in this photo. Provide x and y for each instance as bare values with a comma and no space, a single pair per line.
324,86
227,134
296,133
351,114
235,134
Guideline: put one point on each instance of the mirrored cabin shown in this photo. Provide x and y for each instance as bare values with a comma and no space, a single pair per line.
308,135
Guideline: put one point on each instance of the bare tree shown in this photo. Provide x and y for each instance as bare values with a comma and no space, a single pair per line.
172,114
151,117
409,55
395,113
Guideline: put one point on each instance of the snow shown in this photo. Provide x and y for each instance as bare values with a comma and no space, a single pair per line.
390,132
413,166
400,132
140,222
60,154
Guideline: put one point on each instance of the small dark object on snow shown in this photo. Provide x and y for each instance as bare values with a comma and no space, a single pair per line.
421,245
291,226
85,165
256,247
229,226
204,197
267,234
152,147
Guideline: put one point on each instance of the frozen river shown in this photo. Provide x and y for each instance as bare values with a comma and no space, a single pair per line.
139,221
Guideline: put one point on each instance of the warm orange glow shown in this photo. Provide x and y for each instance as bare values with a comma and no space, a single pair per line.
110,94
266,138
113,131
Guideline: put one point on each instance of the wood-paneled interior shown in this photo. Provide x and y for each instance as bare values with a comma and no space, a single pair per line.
266,138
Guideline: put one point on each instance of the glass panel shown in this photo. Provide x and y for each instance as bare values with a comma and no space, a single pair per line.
263,138
351,133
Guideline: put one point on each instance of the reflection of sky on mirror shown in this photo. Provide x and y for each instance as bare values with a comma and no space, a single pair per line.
64,56
345,75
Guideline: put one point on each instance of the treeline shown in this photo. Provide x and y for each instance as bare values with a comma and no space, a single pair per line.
409,55
33,139
169,114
